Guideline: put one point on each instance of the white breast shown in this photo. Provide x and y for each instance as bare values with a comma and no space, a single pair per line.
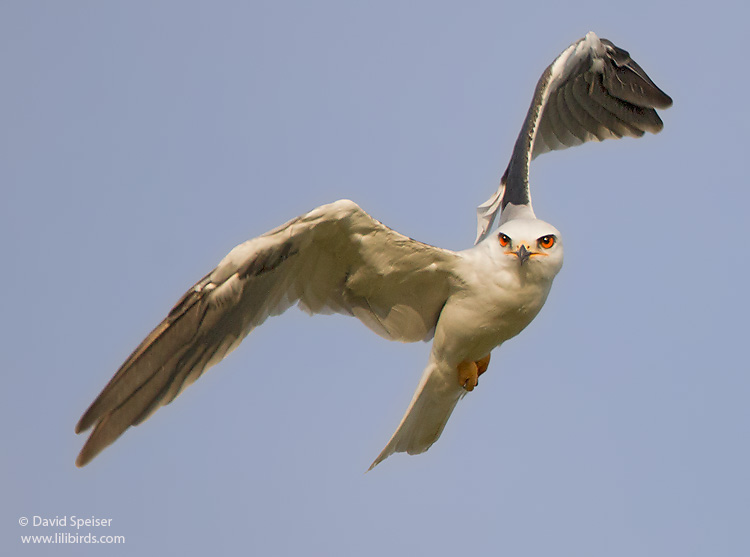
497,300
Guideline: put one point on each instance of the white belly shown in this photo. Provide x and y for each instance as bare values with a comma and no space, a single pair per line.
471,326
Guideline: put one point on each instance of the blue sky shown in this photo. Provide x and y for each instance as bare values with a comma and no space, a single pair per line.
140,141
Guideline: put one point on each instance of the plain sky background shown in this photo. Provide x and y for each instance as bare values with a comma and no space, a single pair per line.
140,141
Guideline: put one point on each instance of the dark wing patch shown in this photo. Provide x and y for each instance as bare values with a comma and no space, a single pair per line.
268,261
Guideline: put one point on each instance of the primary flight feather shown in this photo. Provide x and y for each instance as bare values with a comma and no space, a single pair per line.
337,258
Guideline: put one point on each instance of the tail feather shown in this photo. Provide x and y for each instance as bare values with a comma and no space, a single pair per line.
433,403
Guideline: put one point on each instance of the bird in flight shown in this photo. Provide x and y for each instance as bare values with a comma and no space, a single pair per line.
339,259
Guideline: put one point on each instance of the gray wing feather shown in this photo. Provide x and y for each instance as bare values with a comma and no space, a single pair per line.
334,259
591,92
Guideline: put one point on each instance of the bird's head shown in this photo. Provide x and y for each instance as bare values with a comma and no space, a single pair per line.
531,244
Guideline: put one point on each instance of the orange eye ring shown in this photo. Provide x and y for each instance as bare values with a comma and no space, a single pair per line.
547,242
503,239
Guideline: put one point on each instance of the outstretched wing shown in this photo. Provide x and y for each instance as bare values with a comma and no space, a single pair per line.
335,258
593,91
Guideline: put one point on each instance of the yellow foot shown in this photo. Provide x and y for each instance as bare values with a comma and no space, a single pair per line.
469,372
483,364
468,375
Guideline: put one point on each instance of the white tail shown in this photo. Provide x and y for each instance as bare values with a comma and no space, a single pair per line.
432,404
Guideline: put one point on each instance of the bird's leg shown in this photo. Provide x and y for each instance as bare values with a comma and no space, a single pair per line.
469,372
468,375
483,364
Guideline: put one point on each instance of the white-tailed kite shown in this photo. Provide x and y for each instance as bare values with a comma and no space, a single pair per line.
337,258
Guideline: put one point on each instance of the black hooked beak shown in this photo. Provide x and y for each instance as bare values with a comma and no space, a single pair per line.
523,254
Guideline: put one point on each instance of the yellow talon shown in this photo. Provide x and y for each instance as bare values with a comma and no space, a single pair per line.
469,372
468,375
483,364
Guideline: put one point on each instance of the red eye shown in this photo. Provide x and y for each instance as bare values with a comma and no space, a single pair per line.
503,239
547,242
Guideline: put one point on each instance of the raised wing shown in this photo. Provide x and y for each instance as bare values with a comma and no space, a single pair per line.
335,258
593,91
